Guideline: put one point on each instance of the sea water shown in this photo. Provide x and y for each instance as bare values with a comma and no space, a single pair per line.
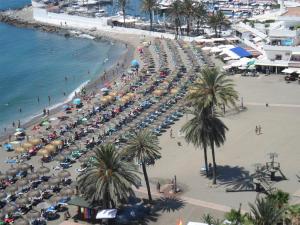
35,65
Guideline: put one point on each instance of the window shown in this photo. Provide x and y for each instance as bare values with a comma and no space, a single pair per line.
278,57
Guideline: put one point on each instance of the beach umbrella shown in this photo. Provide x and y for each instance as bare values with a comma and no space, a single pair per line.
12,171
23,166
60,158
174,91
22,182
11,189
33,214
2,194
67,192
22,201
43,170
8,146
21,221
20,150
54,180
135,63
55,198
35,141
44,186
33,176
43,152
27,145
77,101
64,174
33,193
50,148
57,142
9,208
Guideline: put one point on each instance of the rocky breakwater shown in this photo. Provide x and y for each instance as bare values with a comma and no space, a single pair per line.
23,18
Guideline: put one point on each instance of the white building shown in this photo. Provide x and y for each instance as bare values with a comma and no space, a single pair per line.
282,48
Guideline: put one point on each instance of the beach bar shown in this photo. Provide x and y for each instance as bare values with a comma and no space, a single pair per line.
86,210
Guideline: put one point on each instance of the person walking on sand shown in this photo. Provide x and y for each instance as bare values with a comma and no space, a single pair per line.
171,133
158,187
259,129
256,129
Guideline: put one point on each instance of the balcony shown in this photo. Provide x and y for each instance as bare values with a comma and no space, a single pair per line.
282,48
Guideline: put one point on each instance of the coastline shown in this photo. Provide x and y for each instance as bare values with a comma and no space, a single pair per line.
112,73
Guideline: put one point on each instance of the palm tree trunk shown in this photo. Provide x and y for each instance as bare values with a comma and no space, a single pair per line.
147,181
205,161
124,16
216,31
151,20
214,162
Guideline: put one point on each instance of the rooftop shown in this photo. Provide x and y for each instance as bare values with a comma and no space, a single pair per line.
292,11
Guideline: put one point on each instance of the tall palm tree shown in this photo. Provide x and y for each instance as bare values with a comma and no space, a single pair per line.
200,14
188,11
122,4
144,147
148,6
213,89
213,22
196,133
265,212
110,179
236,217
175,13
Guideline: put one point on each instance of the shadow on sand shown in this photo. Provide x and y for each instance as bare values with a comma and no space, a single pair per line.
235,178
142,213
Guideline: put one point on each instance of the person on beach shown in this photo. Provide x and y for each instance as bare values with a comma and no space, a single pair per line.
171,133
256,129
13,124
158,187
19,123
44,112
259,129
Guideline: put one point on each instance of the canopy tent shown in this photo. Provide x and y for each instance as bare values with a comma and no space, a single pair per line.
107,214
228,53
135,63
288,70
77,101
241,52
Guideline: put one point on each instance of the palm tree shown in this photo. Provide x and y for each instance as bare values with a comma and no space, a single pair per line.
148,6
236,217
265,212
210,220
144,147
175,13
200,14
213,89
196,133
122,4
213,23
188,11
110,179
280,197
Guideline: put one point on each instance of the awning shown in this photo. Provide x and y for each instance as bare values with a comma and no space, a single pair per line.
106,214
241,52
287,70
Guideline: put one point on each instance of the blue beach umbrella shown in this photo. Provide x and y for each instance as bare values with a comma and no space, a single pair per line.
8,146
135,63
77,101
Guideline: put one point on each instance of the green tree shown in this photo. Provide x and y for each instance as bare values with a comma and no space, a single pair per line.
122,4
148,6
175,13
210,220
144,147
236,217
188,12
196,132
200,14
217,20
265,212
213,89
280,197
110,179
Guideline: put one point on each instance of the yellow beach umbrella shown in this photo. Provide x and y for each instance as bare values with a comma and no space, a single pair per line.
27,145
43,152
20,150
113,94
158,92
50,148
104,100
174,91
57,142
35,141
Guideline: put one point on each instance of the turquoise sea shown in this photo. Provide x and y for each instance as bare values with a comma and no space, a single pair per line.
35,64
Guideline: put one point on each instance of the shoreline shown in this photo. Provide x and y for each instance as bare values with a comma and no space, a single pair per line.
110,73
